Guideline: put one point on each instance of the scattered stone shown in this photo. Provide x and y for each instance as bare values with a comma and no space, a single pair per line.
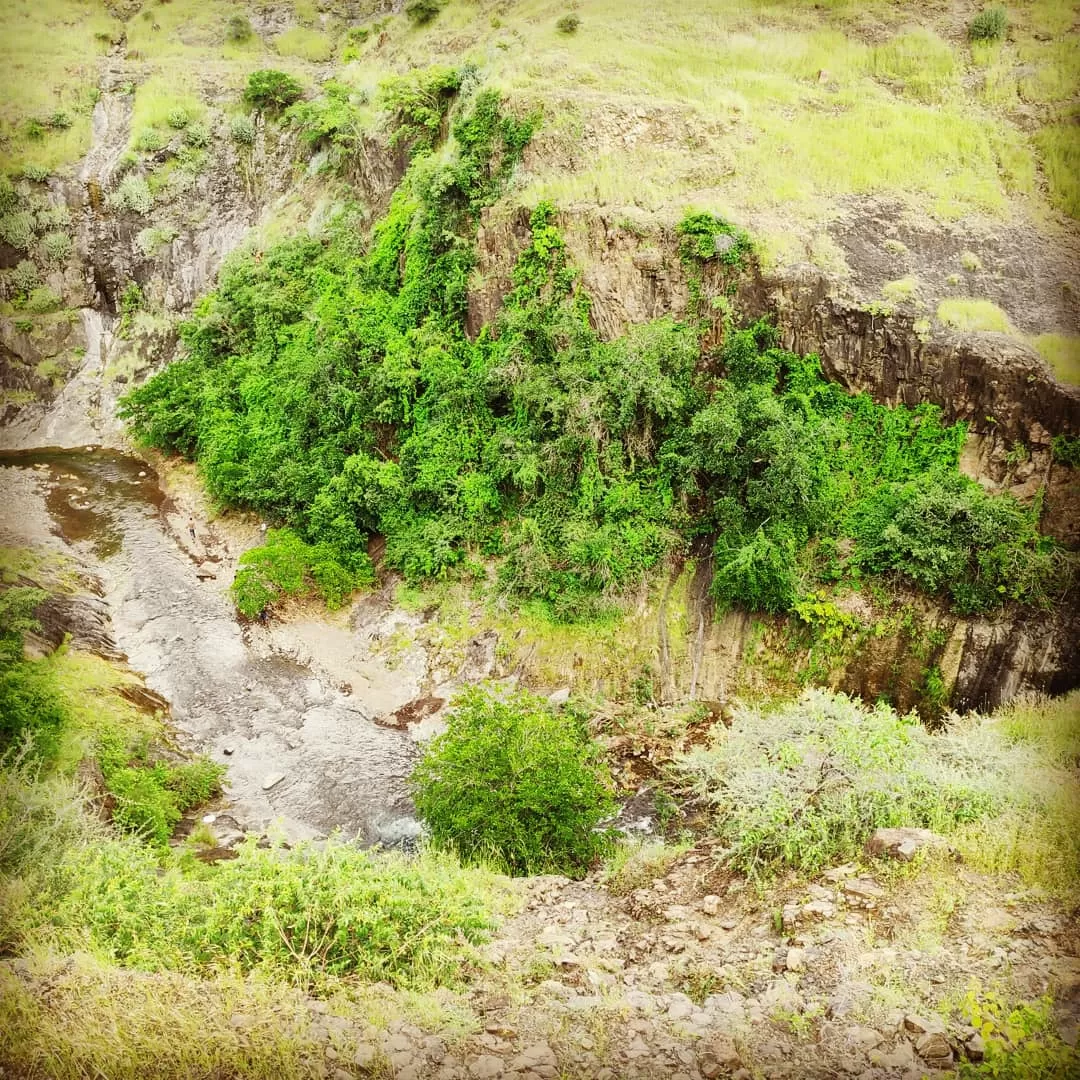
921,1025
487,1067
819,909
900,843
795,959
209,819
975,1047
728,924
272,780
723,243
228,751
364,1056
344,1074
934,1049
839,873
560,696
723,1051
863,889
710,905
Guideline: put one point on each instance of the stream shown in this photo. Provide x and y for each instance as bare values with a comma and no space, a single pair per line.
303,756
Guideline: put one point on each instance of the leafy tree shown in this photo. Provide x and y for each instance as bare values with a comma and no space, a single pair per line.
517,782
271,90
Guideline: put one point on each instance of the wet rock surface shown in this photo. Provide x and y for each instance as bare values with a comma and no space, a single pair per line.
334,767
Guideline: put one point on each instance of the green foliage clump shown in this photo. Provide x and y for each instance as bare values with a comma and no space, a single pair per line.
24,276
332,386
132,194
515,782
421,12
238,29
17,229
197,134
805,786
31,711
989,25
153,238
418,104
1020,1039
1066,450
179,119
150,798
568,24
308,916
242,130
271,90
148,140
42,300
287,566
57,247
36,174
332,120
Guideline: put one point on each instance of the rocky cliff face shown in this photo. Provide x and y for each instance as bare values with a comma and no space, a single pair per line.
997,384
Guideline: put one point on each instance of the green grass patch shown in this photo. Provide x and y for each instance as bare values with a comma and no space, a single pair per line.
1062,353
1059,150
306,44
804,785
966,314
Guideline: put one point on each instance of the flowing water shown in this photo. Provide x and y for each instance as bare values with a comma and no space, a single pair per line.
261,716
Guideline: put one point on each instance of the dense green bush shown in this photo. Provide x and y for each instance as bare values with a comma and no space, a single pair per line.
238,29
271,90
517,783
133,193
57,247
989,25
805,785
421,12
150,799
307,916
286,566
17,229
197,134
568,24
332,386
30,707
242,130
42,300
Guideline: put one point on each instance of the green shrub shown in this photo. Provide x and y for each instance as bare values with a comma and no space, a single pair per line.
197,134
568,24
286,566
132,194
57,247
421,12
24,276
419,102
30,707
59,121
179,119
332,385
150,800
17,229
149,139
308,916
989,25
9,197
36,174
151,240
271,90
43,300
242,130
1067,450
515,782
805,785
238,29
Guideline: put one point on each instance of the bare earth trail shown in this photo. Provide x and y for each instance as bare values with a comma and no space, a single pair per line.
177,626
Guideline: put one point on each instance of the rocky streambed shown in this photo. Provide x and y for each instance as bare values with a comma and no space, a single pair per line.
304,754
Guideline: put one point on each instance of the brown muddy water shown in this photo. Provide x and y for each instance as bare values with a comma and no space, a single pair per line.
303,757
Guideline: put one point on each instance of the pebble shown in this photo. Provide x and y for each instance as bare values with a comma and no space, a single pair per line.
272,780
